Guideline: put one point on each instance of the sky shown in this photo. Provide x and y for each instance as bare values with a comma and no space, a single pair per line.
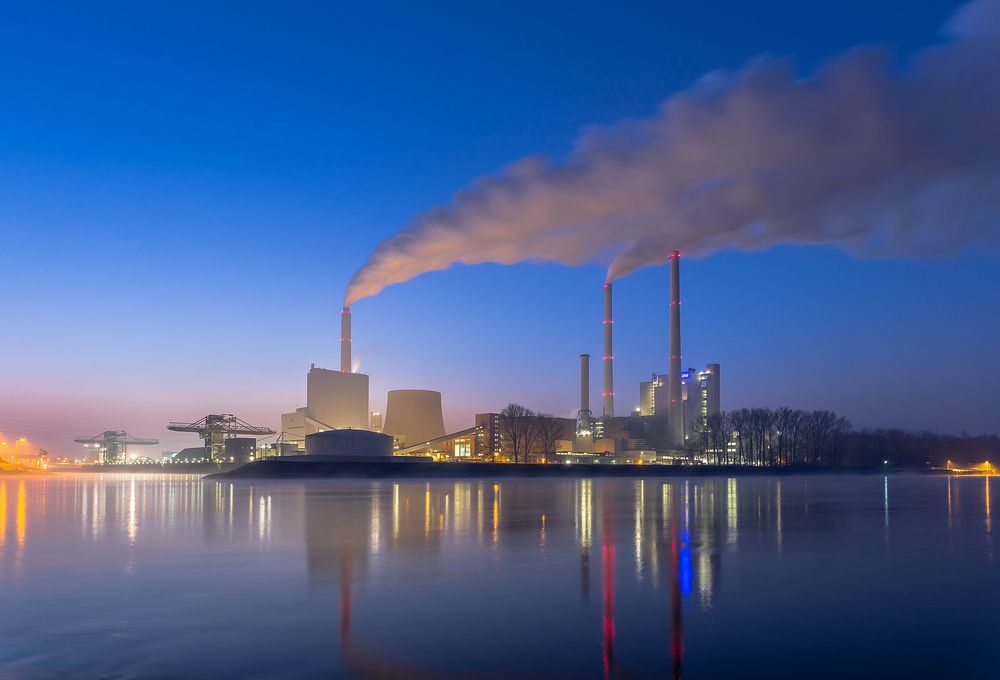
186,189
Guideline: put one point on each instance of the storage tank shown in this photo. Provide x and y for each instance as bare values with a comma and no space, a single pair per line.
414,416
349,443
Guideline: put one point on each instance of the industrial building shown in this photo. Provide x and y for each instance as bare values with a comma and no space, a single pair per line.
672,405
334,399
700,396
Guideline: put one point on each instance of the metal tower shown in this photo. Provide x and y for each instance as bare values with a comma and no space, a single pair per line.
113,445
215,429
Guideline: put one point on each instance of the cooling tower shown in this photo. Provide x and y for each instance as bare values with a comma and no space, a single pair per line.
609,379
345,340
675,408
414,416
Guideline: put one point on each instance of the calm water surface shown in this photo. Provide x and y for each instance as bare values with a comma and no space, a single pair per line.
793,577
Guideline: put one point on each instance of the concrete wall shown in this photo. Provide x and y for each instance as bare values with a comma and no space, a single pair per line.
339,400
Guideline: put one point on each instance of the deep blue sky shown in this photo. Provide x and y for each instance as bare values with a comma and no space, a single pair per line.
186,188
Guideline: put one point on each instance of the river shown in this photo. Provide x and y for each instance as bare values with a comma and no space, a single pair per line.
169,576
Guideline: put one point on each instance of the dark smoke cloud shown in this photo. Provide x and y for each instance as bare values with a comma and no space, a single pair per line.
879,160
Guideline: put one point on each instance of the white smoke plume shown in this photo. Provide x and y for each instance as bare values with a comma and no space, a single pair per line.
877,159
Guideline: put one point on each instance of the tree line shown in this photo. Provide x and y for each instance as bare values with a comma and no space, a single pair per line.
764,436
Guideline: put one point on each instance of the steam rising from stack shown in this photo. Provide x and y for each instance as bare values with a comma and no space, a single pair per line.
875,159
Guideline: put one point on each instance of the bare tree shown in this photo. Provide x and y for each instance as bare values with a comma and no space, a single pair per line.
550,431
739,420
517,425
720,433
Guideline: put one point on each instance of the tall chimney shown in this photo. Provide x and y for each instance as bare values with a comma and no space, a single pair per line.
609,376
584,382
345,340
675,409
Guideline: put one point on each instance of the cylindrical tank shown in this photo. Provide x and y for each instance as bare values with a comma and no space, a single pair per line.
348,443
414,416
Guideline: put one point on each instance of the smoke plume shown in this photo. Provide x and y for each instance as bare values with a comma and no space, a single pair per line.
877,158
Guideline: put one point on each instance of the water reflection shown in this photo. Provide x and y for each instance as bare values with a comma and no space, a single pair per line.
425,579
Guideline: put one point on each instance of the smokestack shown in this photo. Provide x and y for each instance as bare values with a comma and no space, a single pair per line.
609,379
345,340
675,420
584,382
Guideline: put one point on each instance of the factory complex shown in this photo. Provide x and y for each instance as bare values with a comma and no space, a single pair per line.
337,421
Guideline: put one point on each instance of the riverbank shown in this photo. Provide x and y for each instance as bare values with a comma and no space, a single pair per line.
274,468
14,469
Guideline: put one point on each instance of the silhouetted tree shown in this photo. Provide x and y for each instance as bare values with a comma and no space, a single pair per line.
549,432
518,425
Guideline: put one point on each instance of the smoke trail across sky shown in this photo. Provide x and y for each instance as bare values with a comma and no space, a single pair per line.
878,159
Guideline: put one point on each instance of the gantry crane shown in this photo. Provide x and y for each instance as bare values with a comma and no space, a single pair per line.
215,429
113,445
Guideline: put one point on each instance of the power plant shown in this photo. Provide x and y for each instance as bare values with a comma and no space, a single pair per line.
671,407
337,421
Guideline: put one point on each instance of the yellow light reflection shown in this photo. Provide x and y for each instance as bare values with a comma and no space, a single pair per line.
496,512
22,513
586,511
427,510
3,512
988,520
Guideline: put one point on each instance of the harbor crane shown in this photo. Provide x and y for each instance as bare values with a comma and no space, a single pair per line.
215,429
112,445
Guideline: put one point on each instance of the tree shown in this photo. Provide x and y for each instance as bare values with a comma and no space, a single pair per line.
550,431
517,426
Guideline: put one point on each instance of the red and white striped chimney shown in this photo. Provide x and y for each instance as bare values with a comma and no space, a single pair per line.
609,358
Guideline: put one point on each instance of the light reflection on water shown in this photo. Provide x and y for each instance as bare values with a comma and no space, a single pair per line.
838,576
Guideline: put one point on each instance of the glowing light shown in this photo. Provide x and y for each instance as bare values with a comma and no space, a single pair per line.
3,512
22,513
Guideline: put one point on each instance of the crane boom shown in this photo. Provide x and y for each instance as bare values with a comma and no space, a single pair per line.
216,428
113,445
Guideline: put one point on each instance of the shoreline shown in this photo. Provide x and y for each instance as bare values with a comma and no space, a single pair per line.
327,469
